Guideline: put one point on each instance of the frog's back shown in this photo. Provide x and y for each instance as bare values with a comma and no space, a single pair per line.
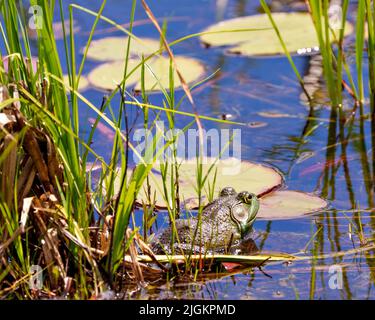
224,221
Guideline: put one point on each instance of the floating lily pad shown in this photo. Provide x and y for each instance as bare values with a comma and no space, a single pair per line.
296,29
242,176
57,30
114,48
108,75
286,204
83,82
262,180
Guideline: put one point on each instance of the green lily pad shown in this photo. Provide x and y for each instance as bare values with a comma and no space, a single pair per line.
296,29
57,30
262,180
114,48
83,82
285,204
241,175
108,75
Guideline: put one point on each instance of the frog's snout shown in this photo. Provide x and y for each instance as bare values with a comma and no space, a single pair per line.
253,201
245,197
246,219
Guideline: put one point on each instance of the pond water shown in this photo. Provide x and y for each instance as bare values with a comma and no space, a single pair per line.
250,89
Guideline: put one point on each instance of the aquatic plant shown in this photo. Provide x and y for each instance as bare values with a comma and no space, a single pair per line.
51,215
82,233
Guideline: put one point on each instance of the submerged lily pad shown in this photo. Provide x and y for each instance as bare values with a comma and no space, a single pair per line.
286,204
114,48
108,75
296,29
241,175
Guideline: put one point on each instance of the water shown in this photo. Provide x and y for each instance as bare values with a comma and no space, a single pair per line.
244,87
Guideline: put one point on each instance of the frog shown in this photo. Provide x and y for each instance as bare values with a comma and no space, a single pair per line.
225,222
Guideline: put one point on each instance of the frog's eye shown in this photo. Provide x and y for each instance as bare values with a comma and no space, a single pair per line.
245,197
239,213
227,191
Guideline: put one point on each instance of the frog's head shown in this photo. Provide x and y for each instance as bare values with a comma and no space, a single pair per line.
227,191
243,211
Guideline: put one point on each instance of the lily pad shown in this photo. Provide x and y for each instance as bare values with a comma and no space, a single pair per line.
114,48
57,30
241,175
296,29
83,82
262,180
285,204
108,75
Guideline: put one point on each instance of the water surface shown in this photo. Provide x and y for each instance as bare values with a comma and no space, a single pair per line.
246,88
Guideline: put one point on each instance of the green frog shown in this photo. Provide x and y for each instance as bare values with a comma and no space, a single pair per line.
224,223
